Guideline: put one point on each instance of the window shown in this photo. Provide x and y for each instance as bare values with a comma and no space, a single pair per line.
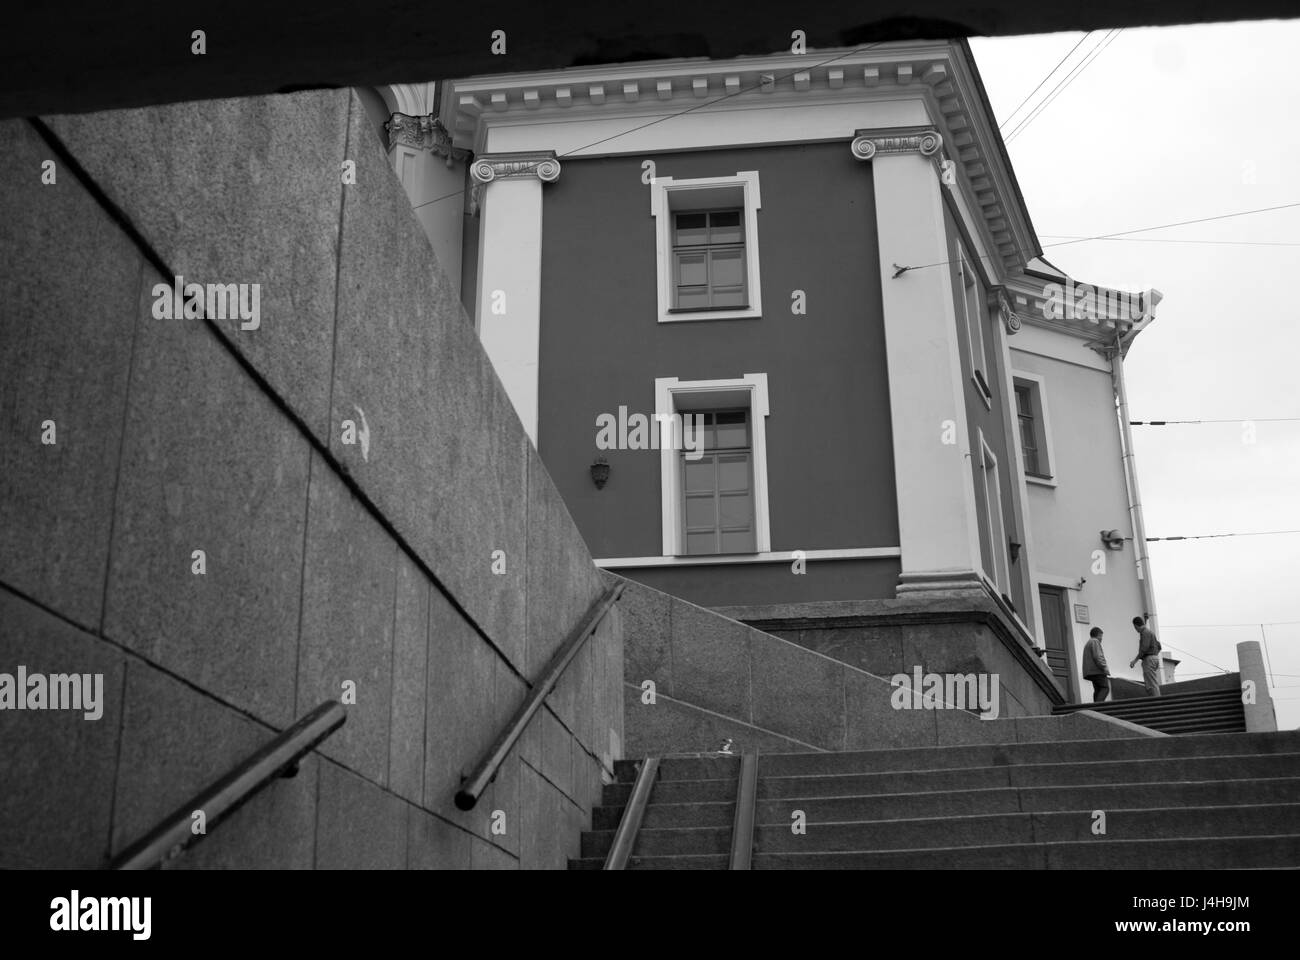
1031,414
1028,429
713,480
717,486
993,531
708,259
972,311
707,247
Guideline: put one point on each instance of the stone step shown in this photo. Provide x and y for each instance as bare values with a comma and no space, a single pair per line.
1250,853
969,802
1232,852
1163,770
1160,705
937,758
1194,696
656,863
978,755
965,831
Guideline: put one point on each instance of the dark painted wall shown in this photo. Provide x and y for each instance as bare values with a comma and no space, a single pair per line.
992,422
830,459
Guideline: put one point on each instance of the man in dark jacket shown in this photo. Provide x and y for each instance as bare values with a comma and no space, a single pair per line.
1149,654
1094,666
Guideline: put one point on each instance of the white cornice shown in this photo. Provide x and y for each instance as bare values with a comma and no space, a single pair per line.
932,74
1094,318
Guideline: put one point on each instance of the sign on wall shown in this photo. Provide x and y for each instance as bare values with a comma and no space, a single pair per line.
1081,614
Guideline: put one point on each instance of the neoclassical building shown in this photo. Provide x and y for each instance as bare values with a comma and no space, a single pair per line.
802,297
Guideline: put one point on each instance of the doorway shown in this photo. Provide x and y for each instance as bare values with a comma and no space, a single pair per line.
1056,636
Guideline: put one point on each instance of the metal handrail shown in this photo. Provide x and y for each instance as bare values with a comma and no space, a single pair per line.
630,823
742,828
279,757
477,781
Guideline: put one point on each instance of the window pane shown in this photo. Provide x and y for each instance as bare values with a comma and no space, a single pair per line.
732,429
700,475
1031,463
736,511
697,430
700,512
738,542
1023,406
692,297
1027,435
725,227
728,269
733,473
692,228
691,269
701,543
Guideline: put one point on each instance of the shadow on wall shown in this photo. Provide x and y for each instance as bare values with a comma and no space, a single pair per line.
234,519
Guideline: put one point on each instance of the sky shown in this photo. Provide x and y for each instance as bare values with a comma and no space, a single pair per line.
1164,125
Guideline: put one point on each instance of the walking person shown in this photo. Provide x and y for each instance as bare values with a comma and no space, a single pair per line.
1149,654
1094,666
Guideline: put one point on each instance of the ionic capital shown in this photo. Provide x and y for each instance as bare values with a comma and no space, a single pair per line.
507,166
871,143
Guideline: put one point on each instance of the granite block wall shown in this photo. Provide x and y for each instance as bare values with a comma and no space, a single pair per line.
369,511
695,678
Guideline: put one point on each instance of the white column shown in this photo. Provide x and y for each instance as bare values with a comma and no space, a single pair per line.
1261,716
938,531
508,194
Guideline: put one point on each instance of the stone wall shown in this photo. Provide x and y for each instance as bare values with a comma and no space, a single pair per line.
939,635
716,679
431,563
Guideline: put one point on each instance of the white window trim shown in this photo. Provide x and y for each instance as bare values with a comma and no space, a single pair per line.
661,210
979,361
1001,572
1040,394
670,467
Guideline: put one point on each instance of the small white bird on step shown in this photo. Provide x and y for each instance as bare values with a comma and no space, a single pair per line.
726,747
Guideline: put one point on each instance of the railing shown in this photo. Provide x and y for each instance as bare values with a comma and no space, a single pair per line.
630,823
278,758
742,828
483,774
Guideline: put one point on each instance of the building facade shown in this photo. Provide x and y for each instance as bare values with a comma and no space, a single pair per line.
781,330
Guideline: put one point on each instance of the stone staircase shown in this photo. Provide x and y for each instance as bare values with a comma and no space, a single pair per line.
1187,802
1202,711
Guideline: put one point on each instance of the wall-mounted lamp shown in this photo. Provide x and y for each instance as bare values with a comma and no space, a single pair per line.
1013,549
1112,540
600,472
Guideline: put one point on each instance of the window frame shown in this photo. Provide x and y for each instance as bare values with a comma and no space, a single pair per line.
669,393
1046,454
972,317
663,192
747,450
707,249
1000,575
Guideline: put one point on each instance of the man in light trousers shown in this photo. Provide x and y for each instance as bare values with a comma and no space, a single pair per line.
1149,654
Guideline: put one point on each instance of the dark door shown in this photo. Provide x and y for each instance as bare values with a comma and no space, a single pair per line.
1056,634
